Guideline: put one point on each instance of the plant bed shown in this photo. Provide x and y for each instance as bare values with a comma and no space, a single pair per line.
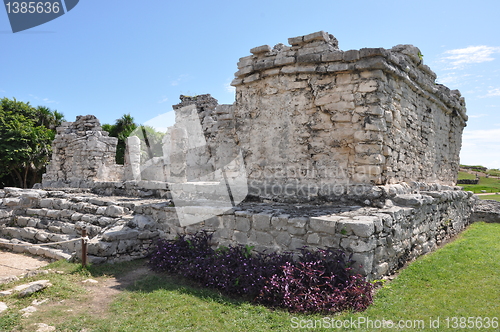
312,281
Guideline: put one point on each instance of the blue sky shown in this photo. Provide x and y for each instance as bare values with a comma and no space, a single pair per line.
112,57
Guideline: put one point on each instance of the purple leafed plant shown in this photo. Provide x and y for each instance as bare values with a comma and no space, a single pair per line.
316,281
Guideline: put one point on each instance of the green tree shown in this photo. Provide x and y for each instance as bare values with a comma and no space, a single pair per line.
125,127
26,135
122,129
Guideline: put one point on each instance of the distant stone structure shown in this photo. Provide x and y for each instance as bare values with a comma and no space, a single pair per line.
82,154
357,150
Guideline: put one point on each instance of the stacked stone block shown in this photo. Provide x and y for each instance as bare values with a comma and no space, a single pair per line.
82,154
43,217
414,220
311,117
197,146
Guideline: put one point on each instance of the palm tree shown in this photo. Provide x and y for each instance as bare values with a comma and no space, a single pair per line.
48,118
122,129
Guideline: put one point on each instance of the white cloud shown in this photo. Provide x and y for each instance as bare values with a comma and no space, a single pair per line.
44,100
472,54
477,115
229,88
453,78
483,136
493,93
179,79
163,99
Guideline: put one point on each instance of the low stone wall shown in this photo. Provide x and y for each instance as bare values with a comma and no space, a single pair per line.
468,181
412,223
414,220
487,210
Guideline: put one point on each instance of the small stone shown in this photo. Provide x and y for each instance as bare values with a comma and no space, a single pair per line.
34,287
90,281
35,273
28,311
3,307
260,49
6,280
114,211
37,303
42,327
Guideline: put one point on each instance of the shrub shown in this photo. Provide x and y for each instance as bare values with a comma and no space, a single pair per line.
319,282
316,281
173,256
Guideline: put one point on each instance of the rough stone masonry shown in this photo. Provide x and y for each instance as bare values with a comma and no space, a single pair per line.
310,113
357,150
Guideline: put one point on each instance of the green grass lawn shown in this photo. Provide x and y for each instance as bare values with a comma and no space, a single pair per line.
492,197
461,280
491,185
465,175
493,172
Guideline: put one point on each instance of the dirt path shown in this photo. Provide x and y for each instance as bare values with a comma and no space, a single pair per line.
105,291
12,264
94,302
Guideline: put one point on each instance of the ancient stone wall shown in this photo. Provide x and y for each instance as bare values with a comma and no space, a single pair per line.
414,221
82,153
311,117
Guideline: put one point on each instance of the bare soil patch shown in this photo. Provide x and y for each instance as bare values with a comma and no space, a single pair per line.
12,264
107,288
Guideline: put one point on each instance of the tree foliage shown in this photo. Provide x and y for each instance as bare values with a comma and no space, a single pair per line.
26,135
125,127
122,129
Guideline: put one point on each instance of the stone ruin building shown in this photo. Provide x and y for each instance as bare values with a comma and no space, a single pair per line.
357,150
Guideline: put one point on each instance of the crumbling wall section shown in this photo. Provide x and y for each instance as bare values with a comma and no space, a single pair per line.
82,154
312,119
202,144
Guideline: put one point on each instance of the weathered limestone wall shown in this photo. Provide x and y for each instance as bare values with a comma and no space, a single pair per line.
82,153
312,119
424,122
414,221
202,139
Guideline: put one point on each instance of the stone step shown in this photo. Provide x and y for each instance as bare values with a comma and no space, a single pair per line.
63,207
69,227
26,247
38,236
113,211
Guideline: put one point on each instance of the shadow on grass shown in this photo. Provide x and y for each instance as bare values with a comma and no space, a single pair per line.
183,286
135,276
